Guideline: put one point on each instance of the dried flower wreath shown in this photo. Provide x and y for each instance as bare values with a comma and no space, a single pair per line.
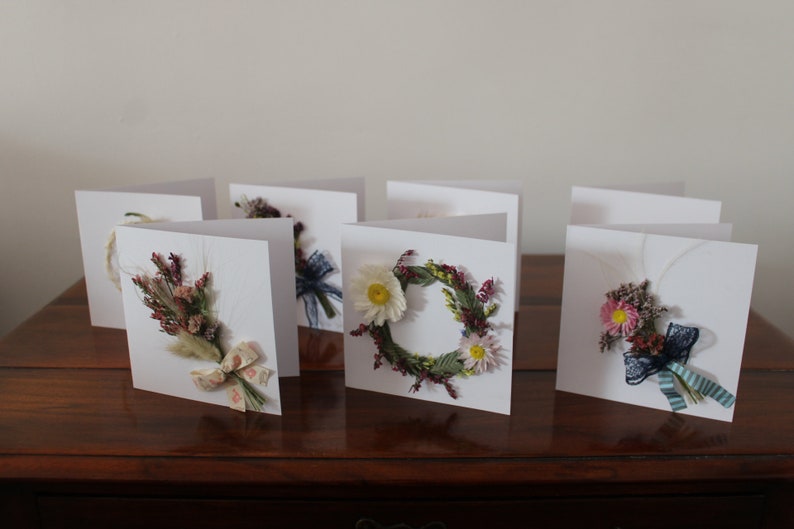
379,293
111,252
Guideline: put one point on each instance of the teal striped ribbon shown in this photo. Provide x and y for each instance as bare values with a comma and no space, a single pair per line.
698,382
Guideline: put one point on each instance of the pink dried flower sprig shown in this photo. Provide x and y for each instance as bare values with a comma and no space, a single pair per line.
178,307
630,312
183,311
487,290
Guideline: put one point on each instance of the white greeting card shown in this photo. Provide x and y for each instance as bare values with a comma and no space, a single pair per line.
437,320
599,205
321,207
662,188
443,198
721,231
626,343
100,211
213,327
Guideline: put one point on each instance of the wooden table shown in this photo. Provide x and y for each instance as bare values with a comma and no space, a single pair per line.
79,447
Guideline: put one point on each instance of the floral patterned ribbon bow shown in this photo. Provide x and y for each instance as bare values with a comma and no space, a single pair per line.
239,362
310,286
669,363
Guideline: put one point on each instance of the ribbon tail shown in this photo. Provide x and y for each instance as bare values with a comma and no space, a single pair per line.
255,374
667,387
330,290
704,385
310,306
325,303
314,293
236,395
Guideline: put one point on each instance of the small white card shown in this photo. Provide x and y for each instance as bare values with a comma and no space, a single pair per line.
419,337
321,206
600,205
443,198
100,211
250,281
704,284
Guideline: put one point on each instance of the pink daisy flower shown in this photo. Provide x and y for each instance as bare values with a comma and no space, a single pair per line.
619,318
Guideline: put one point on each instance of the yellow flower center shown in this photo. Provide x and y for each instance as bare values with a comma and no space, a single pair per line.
477,352
378,294
619,316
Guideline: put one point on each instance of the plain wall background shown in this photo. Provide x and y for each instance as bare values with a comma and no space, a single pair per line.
97,94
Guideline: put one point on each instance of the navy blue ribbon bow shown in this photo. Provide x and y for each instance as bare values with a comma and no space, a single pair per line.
677,344
314,291
670,364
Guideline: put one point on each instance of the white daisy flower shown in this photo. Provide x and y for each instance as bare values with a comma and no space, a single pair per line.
376,292
479,353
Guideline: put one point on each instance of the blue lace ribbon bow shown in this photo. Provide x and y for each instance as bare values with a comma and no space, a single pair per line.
314,291
670,363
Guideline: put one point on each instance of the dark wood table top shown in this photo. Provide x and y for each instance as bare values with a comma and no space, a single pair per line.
69,411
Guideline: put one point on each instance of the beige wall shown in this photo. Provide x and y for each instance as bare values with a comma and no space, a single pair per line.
104,93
